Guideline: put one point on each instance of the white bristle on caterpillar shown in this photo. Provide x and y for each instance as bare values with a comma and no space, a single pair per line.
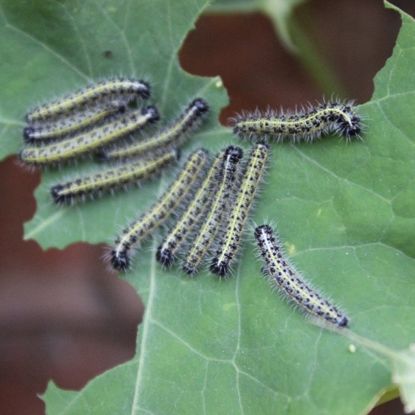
290,282
172,135
209,230
117,127
232,237
66,126
111,92
176,194
111,179
306,124
177,237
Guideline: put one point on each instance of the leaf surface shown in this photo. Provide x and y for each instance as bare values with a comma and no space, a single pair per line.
345,212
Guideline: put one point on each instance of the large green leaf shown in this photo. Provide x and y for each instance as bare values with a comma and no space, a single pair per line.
346,213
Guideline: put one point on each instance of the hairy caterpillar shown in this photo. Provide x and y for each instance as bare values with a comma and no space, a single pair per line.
117,127
290,282
231,240
207,233
174,134
306,124
66,126
110,179
112,92
178,191
198,206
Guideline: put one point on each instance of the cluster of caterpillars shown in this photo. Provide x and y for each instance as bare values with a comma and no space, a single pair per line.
103,120
207,205
210,199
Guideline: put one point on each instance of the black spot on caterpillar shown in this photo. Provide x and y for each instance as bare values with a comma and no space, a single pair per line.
289,281
111,179
174,134
117,127
180,189
111,92
198,207
66,126
306,124
220,207
239,212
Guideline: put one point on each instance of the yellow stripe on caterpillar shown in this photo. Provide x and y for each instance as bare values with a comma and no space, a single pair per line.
306,124
290,282
179,191
208,232
200,204
65,126
231,240
110,179
112,92
119,126
172,135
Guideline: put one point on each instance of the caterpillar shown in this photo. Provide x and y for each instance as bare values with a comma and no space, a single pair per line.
199,205
231,240
111,179
306,124
174,134
176,194
66,126
290,282
208,232
117,127
112,92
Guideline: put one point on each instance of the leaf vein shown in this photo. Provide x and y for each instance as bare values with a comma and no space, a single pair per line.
331,173
44,46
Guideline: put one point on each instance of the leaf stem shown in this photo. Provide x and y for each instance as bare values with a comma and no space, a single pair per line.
313,61
370,344
293,37
240,6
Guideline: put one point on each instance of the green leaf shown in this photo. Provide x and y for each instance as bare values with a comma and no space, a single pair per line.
345,212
